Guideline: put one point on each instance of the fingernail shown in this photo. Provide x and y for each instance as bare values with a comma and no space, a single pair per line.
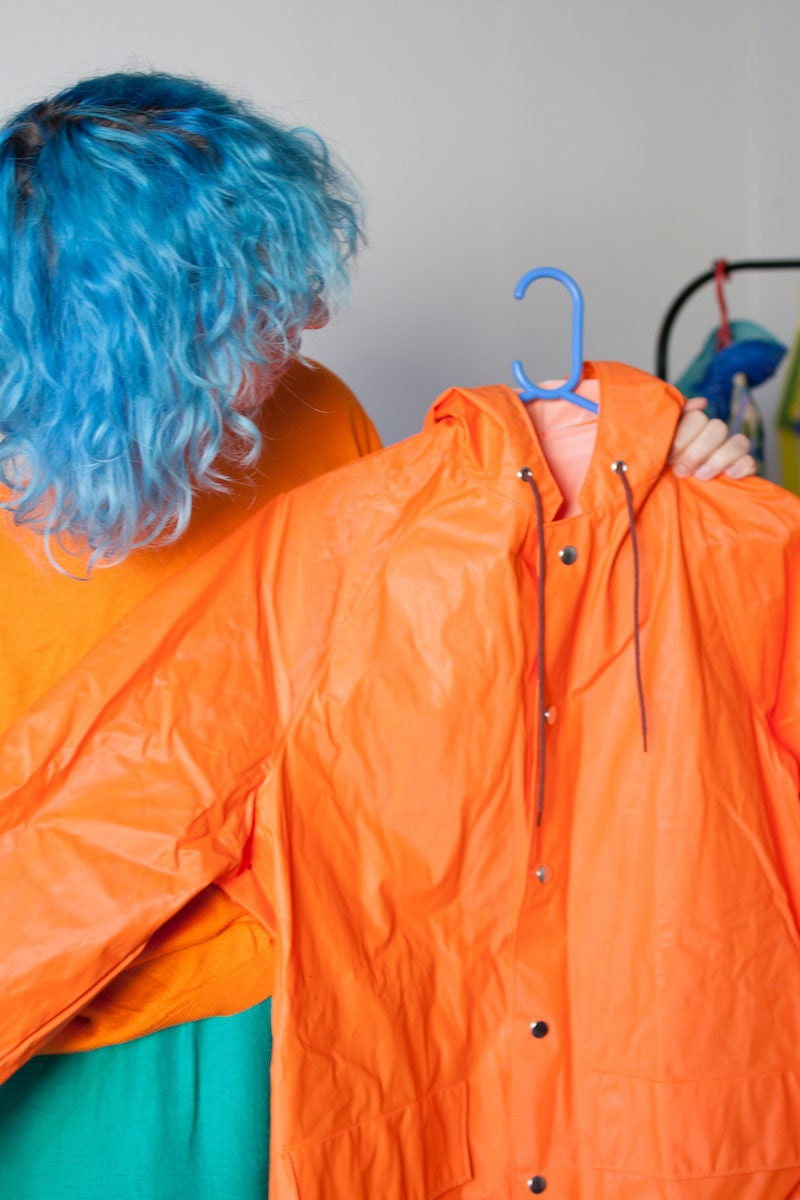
738,471
681,470
704,473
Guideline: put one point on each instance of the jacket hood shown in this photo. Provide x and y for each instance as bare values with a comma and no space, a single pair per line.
634,432
636,423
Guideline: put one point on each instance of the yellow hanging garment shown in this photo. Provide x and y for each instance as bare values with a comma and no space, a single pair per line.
789,422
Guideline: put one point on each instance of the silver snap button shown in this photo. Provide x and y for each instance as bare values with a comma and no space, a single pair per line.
544,874
568,555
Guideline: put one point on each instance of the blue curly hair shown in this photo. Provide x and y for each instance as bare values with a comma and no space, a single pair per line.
162,247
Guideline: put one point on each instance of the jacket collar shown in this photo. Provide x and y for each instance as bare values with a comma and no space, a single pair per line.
636,423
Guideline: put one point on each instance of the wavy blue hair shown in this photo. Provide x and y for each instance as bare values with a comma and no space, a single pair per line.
162,247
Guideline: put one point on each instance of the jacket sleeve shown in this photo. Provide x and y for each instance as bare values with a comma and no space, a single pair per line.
131,785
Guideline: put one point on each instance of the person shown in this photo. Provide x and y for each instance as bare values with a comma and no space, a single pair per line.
175,407
138,209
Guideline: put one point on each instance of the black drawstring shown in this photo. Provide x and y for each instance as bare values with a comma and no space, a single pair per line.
620,469
527,475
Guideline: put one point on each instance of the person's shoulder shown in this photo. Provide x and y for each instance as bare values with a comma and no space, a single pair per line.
322,393
311,379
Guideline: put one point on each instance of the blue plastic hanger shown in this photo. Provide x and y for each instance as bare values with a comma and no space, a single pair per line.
530,391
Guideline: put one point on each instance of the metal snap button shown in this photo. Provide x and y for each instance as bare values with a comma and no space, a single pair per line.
544,874
540,1029
537,1184
568,555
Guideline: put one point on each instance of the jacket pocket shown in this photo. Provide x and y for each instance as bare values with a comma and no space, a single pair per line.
414,1153
697,1127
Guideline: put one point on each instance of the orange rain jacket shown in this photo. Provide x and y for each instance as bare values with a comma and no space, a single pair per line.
338,714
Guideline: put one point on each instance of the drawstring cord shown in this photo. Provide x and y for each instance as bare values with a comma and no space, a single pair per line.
620,469
527,475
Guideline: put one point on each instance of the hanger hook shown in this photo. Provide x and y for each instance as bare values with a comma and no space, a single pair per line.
530,391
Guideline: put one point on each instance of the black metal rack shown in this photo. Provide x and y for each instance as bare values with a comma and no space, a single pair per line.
747,264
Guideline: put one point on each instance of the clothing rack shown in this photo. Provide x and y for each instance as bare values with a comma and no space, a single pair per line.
747,264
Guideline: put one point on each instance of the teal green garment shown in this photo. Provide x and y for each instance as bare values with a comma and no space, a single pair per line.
179,1115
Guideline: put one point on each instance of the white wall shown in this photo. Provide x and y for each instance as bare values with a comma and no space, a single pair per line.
628,141
773,174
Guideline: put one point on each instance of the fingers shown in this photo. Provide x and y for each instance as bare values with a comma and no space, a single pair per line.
696,439
742,467
709,452
732,451
703,448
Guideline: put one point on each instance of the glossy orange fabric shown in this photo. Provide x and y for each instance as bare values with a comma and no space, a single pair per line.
213,959
334,714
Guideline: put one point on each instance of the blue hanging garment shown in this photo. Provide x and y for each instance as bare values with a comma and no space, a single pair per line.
753,352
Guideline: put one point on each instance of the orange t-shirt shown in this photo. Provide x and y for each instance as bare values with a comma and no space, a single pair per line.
212,959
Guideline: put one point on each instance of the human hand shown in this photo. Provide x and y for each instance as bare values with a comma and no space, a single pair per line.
703,448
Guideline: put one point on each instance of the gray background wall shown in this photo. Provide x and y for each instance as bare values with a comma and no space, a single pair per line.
628,141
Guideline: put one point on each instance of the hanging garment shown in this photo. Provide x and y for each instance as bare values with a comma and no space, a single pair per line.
748,351
401,716
752,351
745,416
789,422
151,1117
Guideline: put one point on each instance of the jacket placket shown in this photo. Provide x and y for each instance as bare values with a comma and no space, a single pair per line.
549,1120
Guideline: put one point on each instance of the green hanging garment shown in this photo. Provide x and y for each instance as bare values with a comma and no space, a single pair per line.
789,422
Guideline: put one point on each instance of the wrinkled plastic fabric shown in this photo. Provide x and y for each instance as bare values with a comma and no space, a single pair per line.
335,715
